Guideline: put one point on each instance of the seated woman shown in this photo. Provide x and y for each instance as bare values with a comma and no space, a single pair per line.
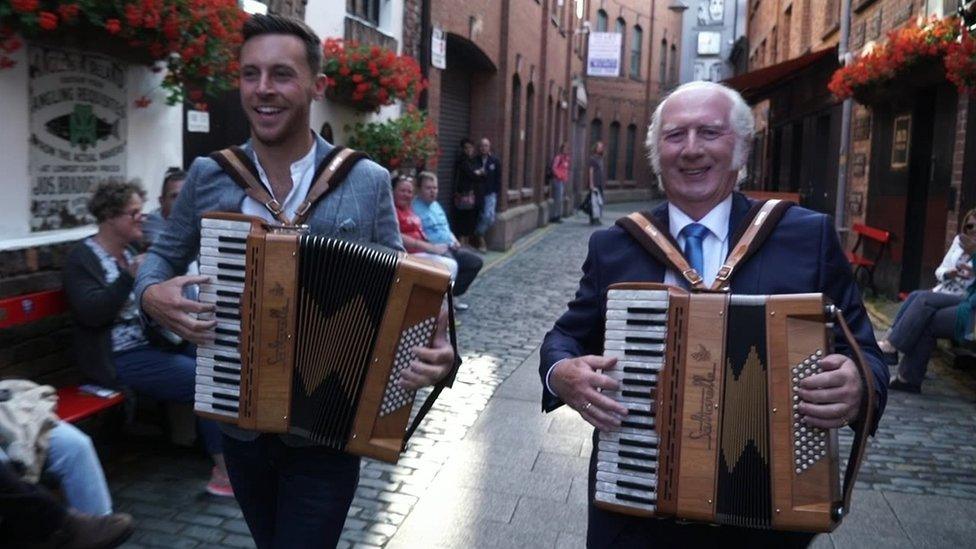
942,312
412,230
109,344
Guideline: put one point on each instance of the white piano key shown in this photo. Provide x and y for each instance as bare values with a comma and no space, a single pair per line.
648,481
215,388
210,396
633,346
614,488
216,260
638,307
209,351
657,295
621,354
611,498
212,243
613,457
613,334
209,408
616,447
648,468
613,436
226,224
218,370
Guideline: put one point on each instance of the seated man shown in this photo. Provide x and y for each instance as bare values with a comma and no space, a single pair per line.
411,230
438,231
155,221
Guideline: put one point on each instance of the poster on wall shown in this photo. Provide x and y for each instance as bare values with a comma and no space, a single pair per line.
77,132
604,54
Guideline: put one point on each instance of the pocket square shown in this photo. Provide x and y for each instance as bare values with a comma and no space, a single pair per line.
347,225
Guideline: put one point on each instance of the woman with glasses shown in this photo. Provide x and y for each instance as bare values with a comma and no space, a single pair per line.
926,316
109,344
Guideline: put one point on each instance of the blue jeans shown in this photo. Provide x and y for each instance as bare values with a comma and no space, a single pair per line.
72,460
168,377
487,217
923,319
291,497
557,199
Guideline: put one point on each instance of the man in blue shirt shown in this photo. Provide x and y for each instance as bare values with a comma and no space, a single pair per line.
438,231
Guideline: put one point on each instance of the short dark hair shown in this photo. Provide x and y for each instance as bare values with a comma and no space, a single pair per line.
172,174
466,141
110,198
259,25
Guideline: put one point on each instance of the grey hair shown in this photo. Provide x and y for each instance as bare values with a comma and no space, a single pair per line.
740,118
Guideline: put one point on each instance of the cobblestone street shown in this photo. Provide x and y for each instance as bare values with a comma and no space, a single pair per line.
487,469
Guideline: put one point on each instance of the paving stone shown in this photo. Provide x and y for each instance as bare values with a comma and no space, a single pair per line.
234,540
203,533
236,526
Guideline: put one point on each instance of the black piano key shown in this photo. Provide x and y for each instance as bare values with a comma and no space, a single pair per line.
230,266
226,370
632,485
637,499
641,322
643,339
226,304
235,296
640,382
230,278
224,407
638,370
224,396
232,239
226,359
227,331
643,352
637,443
649,468
230,251
225,343
647,310
227,380
228,316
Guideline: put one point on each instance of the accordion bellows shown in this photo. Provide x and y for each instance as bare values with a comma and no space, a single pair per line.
319,338
713,433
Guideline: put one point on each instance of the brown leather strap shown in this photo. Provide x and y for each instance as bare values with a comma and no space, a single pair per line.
757,228
660,245
239,167
334,167
861,429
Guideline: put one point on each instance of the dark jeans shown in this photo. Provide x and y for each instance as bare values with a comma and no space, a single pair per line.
468,266
291,497
27,512
168,377
923,319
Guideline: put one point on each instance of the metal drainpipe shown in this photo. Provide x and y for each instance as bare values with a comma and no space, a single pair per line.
840,206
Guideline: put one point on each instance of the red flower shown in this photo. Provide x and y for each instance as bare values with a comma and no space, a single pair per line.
68,12
143,102
113,26
357,78
24,6
47,20
195,95
6,62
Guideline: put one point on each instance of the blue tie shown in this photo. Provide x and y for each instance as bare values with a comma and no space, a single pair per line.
694,234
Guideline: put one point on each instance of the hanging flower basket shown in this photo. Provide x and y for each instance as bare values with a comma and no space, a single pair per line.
369,77
918,47
195,40
409,141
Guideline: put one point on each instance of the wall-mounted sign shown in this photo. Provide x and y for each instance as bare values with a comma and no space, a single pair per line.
78,129
197,121
901,137
604,58
709,43
438,49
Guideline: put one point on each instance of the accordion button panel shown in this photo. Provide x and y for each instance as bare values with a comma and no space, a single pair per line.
636,329
223,245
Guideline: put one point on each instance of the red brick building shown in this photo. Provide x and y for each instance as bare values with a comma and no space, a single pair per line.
910,185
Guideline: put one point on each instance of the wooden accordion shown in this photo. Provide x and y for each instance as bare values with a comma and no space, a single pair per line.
712,432
312,334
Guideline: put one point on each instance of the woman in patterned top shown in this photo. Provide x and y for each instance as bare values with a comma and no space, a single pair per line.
927,315
110,346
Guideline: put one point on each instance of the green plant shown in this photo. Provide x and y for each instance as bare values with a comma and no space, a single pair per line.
407,141
369,77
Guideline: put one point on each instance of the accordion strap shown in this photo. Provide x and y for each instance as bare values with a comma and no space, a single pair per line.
863,427
448,380
328,175
758,225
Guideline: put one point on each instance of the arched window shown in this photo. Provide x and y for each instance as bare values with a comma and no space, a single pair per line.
613,150
630,151
513,136
601,21
596,132
622,31
529,138
674,66
663,69
636,42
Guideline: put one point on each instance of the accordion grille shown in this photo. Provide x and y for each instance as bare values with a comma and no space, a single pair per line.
343,292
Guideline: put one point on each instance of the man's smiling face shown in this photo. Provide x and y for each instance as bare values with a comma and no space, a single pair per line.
697,149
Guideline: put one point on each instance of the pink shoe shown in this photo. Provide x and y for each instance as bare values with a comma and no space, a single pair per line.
219,484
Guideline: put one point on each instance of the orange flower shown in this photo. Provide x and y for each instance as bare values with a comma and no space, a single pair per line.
47,20
24,6
113,26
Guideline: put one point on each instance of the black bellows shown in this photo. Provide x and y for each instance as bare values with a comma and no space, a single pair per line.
342,295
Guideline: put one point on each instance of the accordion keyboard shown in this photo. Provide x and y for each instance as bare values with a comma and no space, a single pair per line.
636,329
223,245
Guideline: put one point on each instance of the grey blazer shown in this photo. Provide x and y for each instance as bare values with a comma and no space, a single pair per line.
360,210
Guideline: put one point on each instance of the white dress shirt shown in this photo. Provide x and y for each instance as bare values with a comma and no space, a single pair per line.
715,247
302,171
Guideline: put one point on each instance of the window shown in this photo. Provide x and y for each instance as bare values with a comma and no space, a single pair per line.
613,150
513,137
806,27
622,31
636,42
674,66
596,132
832,17
663,69
787,25
529,140
629,152
368,10
601,21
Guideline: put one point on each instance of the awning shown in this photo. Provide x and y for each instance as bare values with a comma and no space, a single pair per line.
754,83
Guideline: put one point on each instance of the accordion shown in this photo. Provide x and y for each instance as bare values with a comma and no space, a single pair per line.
713,432
312,334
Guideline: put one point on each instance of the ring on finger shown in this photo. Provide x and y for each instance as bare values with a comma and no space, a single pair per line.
587,406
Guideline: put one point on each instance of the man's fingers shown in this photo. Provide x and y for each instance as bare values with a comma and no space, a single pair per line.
600,381
837,410
420,375
824,380
824,396
605,403
191,306
599,362
186,280
435,355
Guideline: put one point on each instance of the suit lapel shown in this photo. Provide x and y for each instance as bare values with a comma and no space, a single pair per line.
740,207
660,217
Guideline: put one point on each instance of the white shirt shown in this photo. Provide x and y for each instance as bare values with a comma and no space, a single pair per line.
302,171
715,247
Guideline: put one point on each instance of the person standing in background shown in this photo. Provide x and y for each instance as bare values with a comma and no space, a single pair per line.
560,175
493,184
469,177
595,180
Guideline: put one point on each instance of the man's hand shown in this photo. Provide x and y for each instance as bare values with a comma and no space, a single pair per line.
831,398
576,381
165,303
432,363
439,249
135,263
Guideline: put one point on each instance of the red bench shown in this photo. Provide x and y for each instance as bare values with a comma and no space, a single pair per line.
857,257
73,405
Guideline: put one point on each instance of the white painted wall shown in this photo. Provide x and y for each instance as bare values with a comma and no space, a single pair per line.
327,19
154,142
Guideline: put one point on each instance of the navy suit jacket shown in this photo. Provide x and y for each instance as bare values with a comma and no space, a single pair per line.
801,255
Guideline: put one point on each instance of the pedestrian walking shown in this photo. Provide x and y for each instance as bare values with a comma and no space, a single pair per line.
559,168
596,177
492,186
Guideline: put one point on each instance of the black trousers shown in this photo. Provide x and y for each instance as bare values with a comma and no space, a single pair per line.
468,266
27,512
